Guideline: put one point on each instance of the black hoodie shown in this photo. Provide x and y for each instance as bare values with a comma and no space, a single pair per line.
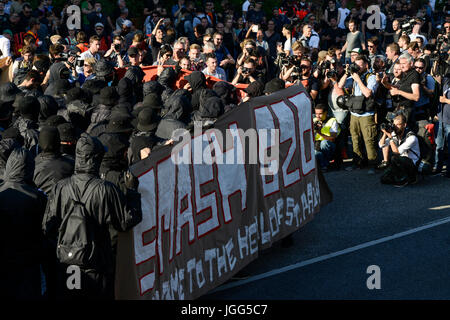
21,210
107,210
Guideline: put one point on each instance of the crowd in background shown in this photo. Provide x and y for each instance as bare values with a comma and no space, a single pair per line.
70,126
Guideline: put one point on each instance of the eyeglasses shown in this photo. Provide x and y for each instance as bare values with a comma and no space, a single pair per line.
370,46
420,68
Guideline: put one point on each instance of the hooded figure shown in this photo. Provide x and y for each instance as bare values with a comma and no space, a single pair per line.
51,166
22,207
136,76
167,79
106,208
144,136
116,140
175,116
210,109
102,112
26,123
152,87
49,107
94,86
126,91
7,145
197,81
58,90
68,135
227,93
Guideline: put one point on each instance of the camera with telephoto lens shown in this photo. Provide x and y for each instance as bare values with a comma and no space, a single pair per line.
389,125
117,47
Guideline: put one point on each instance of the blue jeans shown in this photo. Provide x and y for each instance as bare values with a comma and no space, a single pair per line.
442,136
326,152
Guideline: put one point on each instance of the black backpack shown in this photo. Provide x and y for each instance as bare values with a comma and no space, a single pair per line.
76,241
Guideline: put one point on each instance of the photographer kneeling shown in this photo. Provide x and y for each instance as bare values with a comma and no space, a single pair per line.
326,130
405,152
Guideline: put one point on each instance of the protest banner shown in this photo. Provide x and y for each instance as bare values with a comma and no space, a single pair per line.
210,205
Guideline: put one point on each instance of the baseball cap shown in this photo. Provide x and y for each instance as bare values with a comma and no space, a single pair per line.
99,24
132,51
127,23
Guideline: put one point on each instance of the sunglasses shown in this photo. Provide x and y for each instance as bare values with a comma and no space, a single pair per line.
370,46
421,68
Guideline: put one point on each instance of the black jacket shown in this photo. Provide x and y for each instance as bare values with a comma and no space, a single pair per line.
21,210
50,168
29,131
107,206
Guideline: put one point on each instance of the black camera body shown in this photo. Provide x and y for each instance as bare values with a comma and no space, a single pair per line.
318,125
353,68
389,125
117,47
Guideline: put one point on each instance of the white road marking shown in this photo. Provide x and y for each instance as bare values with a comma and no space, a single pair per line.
329,256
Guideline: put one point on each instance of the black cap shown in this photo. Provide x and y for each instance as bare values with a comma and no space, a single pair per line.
29,107
255,89
132,51
108,96
147,120
274,85
8,92
153,101
119,124
55,120
67,132
103,68
5,110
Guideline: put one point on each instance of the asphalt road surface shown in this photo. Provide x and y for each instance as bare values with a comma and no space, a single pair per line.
404,232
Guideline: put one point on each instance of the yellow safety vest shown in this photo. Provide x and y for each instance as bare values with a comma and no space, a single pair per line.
326,129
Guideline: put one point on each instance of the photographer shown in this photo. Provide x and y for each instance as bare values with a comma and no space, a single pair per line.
362,110
392,54
310,83
326,129
115,53
247,73
443,134
407,91
23,65
405,152
61,65
427,84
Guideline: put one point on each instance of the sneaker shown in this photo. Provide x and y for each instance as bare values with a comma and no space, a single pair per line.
383,165
371,171
414,180
401,184
351,168
436,171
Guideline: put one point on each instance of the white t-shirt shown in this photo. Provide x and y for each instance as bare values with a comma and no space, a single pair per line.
5,47
220,73
288,45
410,143
344,14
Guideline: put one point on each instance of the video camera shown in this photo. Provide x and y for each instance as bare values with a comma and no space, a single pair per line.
408,23
72,53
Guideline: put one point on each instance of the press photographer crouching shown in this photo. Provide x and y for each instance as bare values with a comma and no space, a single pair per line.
404,149
361,104
326,130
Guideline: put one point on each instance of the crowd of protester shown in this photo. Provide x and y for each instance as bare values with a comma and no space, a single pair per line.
70,127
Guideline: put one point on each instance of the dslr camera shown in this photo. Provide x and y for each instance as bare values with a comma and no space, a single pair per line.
389,125
352,68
